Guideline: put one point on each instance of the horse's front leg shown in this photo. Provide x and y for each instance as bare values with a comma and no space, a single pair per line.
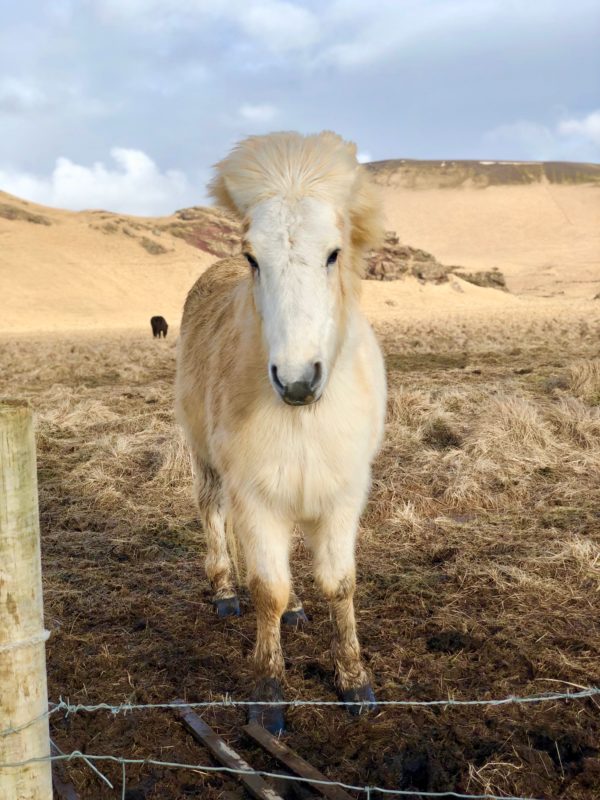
332,540
294,614
266,542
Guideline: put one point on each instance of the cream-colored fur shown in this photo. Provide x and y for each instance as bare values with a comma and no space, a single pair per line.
267,464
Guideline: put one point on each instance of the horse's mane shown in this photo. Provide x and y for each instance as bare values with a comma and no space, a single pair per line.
291,165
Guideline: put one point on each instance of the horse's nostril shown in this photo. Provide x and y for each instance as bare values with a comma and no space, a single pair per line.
275,377
298,393
317,374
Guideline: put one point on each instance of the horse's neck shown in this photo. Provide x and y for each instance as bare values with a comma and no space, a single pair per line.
351,335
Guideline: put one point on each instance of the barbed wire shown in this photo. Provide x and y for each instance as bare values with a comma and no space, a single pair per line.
365,790
228,702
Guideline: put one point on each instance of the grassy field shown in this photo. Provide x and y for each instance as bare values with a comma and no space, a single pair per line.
478,565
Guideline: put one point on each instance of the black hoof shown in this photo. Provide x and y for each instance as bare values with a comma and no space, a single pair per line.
360,700
294,618
227,607
270,717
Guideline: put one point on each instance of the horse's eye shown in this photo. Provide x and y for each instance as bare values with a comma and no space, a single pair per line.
333,256
252,261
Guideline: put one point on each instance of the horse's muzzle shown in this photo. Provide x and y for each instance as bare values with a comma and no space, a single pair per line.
299,393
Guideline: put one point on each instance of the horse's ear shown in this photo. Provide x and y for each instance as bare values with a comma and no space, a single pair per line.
366,214
217,189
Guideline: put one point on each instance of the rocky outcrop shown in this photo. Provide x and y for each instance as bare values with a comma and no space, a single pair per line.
393,261
207,229
489,279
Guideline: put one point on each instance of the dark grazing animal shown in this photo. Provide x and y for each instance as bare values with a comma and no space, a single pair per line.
159,325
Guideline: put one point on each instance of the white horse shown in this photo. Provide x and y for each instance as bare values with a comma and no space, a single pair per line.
281,390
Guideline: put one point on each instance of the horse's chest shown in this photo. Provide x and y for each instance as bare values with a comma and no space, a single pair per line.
300,464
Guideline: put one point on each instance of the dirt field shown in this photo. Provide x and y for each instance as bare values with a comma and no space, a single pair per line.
478,567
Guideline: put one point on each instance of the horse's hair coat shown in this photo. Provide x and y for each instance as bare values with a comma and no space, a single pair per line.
267,464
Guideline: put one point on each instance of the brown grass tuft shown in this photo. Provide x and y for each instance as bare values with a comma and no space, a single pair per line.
584,380
8,211
153,247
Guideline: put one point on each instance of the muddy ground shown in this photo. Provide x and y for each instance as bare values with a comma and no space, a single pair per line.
478,567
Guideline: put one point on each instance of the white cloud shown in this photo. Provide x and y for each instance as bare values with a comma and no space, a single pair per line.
348,34
364,158
365,35
60,11
568,139
135,185
587,128
280,26
258,113
18,96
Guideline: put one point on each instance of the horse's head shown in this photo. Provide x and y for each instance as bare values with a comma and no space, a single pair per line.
308,214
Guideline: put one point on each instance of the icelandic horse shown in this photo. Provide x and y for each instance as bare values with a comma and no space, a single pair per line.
281,391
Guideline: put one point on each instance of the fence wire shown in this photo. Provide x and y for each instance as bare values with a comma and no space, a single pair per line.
368,791
228,702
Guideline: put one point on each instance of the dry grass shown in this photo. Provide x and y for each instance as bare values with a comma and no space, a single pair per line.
479,562
153,247
12,212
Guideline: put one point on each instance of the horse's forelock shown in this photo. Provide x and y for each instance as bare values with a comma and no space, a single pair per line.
288,165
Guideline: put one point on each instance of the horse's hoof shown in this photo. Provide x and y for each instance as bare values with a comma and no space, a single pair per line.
294,618
360,700
227,607
270,717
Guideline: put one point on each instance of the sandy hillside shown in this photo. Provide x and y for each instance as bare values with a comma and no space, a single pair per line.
539,223
62,270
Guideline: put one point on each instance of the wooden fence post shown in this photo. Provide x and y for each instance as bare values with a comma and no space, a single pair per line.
23,692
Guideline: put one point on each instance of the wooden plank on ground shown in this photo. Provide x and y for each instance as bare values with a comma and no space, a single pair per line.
64,791
224,754
286,756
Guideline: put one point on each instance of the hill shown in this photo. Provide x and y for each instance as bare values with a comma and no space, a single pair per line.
537,222
94,269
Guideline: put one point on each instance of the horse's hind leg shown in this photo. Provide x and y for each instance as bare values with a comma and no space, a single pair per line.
209,496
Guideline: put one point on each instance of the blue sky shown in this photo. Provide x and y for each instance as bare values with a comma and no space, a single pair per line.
125,104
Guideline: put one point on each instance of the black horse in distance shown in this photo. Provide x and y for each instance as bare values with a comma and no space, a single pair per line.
159,326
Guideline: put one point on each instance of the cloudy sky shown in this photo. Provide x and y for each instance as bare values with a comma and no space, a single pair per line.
125,104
